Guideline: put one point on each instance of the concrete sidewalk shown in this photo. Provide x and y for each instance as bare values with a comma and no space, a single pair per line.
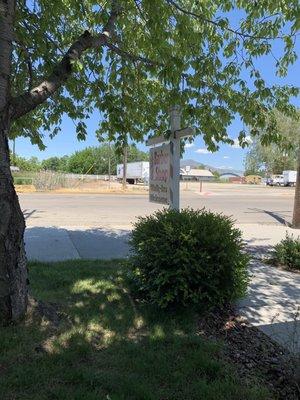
56,244
273,301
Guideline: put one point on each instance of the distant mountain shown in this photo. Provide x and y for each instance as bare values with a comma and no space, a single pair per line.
196,164
191,163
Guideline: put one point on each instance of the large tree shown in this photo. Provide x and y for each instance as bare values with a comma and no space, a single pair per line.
94,160
71,57
272,154
265,157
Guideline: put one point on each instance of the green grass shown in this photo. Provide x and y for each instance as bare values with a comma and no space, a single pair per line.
23,181
108,347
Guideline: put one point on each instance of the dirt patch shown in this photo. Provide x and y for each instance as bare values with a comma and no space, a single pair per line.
255,355
49,312
98,191
25,188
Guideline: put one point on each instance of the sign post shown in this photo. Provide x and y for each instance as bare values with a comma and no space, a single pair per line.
175,114
187,170
164,185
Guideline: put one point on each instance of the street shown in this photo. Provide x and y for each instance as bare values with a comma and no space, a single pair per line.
247,205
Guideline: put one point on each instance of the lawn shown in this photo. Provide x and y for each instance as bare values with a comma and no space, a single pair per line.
106,346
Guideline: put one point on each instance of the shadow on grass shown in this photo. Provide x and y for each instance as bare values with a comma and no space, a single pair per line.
108,347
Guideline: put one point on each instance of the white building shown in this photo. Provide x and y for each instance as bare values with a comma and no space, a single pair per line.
195,174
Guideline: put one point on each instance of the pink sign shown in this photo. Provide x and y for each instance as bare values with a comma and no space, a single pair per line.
159,191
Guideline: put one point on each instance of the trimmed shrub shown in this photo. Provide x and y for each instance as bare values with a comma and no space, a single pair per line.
188,257
287,252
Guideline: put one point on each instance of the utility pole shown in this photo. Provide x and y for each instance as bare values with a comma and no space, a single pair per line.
125,151
296,214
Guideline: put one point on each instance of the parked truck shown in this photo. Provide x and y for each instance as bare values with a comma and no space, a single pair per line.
289,178
275,180
136,172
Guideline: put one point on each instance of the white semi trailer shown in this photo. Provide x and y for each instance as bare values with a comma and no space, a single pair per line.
289,178
136,172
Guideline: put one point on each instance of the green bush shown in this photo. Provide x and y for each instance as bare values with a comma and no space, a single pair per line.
287,252
22,181
188,257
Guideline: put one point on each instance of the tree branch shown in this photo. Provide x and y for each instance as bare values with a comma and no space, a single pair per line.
130,56
215,23
28,62
28,101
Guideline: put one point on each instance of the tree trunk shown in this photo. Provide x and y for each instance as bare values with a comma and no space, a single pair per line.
296,215
13,269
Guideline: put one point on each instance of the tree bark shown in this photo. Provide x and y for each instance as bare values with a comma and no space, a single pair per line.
296,215
13,268
13,265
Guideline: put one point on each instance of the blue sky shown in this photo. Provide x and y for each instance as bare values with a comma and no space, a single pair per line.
230,157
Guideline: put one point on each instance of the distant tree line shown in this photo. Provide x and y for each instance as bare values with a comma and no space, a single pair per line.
92,160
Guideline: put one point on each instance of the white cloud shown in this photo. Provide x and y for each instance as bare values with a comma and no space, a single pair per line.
236,144
226,157
189,145
203,151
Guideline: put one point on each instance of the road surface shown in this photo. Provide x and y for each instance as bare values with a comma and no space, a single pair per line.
247,204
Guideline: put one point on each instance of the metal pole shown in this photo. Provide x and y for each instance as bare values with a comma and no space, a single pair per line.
175,117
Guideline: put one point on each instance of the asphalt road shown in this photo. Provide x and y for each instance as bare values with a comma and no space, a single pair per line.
247,204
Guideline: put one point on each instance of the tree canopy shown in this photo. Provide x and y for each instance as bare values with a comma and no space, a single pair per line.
92,160
132,59
273,158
